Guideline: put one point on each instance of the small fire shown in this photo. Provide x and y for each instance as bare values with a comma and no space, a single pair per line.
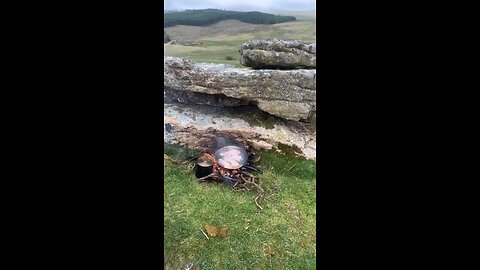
218,168
209,155
237,177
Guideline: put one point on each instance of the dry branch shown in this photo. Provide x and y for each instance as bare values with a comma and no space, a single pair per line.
205,177
204,234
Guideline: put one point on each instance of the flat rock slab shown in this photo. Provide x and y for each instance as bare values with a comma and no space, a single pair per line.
189,97
195,126
289,94
277,53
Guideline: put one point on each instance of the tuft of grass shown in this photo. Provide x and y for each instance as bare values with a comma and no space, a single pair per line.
281,236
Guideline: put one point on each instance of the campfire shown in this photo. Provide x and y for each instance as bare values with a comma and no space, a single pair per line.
228,162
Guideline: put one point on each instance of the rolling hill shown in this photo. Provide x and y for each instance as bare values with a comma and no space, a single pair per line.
203,17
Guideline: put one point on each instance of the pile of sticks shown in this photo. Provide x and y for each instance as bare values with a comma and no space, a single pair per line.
250,181
245,181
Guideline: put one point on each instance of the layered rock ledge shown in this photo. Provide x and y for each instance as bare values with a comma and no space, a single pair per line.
277,53
195,126
289,94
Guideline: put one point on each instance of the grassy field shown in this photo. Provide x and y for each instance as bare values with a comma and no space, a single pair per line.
225,38
281,236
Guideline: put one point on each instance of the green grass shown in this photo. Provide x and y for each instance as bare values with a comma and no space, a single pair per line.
281,236
216,46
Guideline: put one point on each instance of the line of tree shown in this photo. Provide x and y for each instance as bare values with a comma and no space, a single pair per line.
202,17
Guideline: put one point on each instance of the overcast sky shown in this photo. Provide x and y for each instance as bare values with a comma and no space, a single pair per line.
242,5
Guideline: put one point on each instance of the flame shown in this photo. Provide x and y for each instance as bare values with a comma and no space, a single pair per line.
217,168
209,155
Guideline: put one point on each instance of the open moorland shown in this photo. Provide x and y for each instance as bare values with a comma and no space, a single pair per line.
222,40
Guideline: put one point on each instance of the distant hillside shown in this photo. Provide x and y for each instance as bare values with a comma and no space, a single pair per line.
203,17
300,15
170,11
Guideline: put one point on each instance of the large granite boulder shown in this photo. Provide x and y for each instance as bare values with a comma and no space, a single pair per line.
277,53
289,94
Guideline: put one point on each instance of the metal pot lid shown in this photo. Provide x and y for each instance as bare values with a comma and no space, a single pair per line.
204,161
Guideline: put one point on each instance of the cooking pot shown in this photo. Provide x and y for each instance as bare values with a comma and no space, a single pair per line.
203,166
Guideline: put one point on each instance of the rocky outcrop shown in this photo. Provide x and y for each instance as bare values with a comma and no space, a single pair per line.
276,53
195,126
289,94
